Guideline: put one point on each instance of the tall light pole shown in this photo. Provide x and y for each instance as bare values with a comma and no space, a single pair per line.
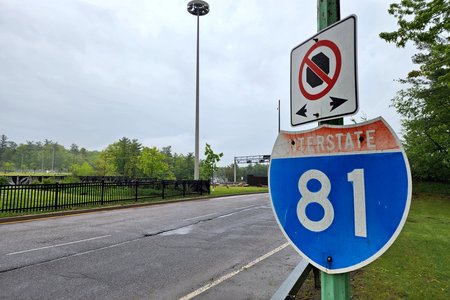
197,8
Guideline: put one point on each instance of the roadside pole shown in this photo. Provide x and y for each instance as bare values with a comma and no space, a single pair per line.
333,286
328,12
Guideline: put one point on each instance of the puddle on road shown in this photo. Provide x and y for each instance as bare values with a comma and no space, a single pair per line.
182,230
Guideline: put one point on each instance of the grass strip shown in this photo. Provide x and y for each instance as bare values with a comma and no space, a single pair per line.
417,265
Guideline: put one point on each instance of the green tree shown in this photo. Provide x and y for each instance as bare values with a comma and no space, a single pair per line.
47,155
82,170
21,157
183,166
208,165
425,102
7,152
74,151
153,164
8,167
3,147
257,169
169,157
227,173
104,164
124,156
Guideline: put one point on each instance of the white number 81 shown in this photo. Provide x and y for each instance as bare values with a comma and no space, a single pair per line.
321,197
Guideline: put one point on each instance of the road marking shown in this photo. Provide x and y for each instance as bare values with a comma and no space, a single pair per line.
241,209
237,210
229,275
245,207
59,245
190,219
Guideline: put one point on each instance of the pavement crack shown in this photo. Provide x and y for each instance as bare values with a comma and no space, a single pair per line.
160,232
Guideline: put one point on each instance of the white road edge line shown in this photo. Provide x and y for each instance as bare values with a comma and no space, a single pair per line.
245,207
237,210
229,275
190,219
59,245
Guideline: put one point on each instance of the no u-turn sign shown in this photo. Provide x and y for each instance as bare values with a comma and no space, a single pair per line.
323,74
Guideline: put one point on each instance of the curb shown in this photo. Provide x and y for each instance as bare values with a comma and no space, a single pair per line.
25,218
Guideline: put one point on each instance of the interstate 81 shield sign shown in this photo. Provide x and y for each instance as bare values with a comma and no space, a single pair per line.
341,194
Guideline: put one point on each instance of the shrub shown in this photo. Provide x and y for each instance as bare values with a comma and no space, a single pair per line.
70,179
4,181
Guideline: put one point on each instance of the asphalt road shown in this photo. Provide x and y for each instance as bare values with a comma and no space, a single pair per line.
223,248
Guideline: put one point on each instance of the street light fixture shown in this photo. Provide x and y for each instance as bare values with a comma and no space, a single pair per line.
197,8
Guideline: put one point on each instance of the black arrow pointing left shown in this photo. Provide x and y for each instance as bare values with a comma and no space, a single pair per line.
302,111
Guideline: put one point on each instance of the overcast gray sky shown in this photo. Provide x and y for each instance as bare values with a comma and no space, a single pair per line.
92,71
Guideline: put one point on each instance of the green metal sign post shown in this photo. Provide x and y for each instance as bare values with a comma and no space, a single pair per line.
328,12
333,286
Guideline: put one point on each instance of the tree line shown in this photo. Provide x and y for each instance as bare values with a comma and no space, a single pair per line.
125,157
424,103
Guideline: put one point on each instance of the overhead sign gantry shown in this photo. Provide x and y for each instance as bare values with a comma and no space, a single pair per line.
251,159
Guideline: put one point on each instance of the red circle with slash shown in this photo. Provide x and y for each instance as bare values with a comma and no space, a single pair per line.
330,81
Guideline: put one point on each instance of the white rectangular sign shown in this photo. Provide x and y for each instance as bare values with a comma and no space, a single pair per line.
323,74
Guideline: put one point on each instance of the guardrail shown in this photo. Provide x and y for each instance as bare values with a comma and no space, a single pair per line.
291,286
48,197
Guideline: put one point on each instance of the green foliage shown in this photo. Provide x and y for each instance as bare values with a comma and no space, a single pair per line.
7,151
226,173
208,166
153,164
420,21
120,158
417,266
4,181
183,166
32,157
237,190
425,102
123,155
257,169
105,164
168,156
436,188
8,167
47,181
71,179
82,170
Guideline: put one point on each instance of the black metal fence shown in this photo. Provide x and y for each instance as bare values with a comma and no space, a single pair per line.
47,197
